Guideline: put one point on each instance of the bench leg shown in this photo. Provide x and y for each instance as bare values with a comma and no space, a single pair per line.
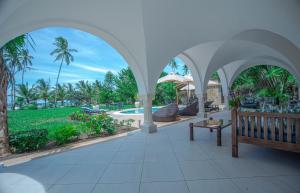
219,137
235,152
191,132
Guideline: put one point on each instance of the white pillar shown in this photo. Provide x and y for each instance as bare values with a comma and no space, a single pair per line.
148,124
226,102
201,113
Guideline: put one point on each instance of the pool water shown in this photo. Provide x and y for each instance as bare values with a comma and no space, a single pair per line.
138,111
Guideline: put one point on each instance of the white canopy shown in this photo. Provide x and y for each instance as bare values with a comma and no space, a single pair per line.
188,87
171,77
192,86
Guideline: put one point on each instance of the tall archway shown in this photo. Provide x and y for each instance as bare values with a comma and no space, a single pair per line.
101,33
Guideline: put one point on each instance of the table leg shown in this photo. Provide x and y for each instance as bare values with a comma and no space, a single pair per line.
191,132
219,137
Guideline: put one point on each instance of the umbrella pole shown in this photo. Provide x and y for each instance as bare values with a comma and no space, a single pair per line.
176,96
188,95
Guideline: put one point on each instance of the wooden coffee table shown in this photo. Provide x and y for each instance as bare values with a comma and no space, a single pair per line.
212,124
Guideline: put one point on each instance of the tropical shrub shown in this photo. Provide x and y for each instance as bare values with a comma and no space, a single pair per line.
95,124
129,122
65,134
79,116
102,122
235,102
25,141
32,107
108,124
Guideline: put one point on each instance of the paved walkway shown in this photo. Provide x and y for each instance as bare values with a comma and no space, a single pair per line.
158,163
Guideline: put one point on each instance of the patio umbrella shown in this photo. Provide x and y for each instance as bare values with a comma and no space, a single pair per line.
188,79
172,77
188,87
213,83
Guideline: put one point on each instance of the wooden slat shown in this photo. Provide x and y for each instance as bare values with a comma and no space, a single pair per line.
273,129
246,125
289,130
265,129
281,128
258,127
240,125
298,131
252,127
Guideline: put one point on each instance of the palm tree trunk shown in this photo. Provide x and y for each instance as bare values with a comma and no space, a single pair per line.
45,102
55,97
14,93
23,75
4,77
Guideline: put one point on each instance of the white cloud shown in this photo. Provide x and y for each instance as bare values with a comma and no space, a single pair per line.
77,80
63,74
93,69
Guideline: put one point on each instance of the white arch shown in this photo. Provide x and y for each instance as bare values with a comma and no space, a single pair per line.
194,70
105,35
266,60
262,41
224,81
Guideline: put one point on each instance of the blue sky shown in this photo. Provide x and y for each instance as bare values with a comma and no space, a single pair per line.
94,58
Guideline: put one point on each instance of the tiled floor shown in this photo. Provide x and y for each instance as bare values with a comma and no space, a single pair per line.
162,162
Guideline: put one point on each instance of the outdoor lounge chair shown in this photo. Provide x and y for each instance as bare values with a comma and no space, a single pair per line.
249,102
209,107
166,114
190,110
90,111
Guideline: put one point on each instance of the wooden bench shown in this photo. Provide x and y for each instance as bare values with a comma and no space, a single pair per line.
274,130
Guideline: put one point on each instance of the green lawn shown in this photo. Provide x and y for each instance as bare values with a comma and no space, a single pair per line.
39,119
49,119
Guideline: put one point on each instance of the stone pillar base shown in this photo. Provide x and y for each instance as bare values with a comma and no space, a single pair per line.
202,115
150,127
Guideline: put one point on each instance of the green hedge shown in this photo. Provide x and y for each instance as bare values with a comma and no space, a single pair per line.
65,134
25,141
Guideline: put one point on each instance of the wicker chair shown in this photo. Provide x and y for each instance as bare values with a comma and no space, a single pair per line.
190,110
166,114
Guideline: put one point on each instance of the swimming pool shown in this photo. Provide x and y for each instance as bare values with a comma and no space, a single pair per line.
138,111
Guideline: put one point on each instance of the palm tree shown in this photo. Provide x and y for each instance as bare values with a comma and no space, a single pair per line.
25,61
86,90
173,65
62,52
25,92
11,48
12,59
61,93
185,69
43,88
70,92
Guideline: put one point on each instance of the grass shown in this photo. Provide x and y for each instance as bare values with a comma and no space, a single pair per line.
40,119
49,119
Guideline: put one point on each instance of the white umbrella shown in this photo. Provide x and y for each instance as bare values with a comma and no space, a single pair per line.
188,87
213,83
171,77
188,79
192,86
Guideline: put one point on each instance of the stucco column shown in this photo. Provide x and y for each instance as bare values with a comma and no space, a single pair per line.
148,124
201,113
226,102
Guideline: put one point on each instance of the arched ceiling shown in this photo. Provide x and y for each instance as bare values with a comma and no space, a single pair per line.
147,33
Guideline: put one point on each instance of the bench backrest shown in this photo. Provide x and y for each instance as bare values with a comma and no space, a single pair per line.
266,128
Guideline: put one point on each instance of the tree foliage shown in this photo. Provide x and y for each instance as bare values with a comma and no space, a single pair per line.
265,81
126,87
